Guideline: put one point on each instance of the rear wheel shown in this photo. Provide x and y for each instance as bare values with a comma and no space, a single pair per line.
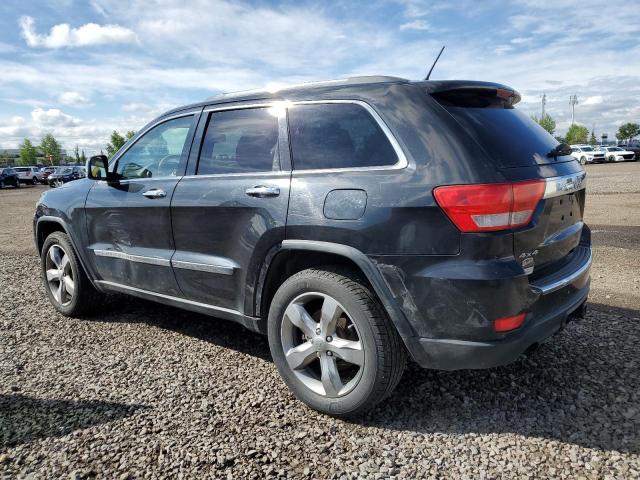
17,185
332,343
583,160
34,181
1,184
69,290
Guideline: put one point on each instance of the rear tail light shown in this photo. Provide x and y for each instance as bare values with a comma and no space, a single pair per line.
491,206
507,324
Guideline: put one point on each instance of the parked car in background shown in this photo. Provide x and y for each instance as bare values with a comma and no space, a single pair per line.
617,154
63,175
31,175
430,219
587,154
633,146
8,176
46,171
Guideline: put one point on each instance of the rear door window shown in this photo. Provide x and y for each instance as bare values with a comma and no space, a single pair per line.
337,135
240,141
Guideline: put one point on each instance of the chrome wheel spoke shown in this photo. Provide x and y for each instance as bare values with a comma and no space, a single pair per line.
54,254
301,356
64,262
53,274
330,376
329,315
69,286
299,317
348,350
57,292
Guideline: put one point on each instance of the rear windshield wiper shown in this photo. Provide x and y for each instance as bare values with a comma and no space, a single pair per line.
561,150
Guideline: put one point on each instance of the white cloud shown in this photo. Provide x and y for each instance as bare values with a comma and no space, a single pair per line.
73,99
52,118
415,25
62,35
594,100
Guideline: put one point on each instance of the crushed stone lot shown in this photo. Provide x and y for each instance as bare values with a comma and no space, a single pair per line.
142,390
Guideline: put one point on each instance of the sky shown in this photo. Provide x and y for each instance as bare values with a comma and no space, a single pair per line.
82,69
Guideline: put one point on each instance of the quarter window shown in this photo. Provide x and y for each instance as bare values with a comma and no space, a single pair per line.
158,153
240,141
337,135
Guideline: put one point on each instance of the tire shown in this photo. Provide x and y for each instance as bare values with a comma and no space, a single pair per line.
34,181
611,158
583,160
1,184
362,334
17,185
71,302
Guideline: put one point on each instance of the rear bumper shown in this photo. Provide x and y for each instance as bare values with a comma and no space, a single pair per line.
452,305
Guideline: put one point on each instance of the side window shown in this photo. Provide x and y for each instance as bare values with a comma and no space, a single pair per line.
158,152
337,135
240,141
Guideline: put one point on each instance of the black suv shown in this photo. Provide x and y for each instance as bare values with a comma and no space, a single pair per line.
8,176
355,222
62,175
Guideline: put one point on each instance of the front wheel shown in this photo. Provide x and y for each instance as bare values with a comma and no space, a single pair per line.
69,290
17,185
612,158
583,160
332,342
34,181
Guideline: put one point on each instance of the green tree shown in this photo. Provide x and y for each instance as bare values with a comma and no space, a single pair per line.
51,149
560,138
28,153
115,143
130,134
627,131
546,122
592,139
577,134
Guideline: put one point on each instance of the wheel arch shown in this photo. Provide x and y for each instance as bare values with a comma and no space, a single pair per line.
48,224
296,255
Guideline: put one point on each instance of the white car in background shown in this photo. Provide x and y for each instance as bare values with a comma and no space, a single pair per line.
587,154
617,154
31,175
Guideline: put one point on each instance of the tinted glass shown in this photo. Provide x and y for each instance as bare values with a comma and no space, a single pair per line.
337,135
158,152
240,141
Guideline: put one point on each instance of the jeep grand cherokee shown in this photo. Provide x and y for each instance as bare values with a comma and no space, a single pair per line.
354,222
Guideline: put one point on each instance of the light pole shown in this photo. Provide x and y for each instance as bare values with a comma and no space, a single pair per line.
573,101
544,102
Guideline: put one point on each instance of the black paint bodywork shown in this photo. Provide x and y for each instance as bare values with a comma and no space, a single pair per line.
441,288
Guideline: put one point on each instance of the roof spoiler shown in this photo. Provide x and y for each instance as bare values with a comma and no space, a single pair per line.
469,86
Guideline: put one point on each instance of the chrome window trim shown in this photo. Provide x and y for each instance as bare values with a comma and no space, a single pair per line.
133,258
168,297
557,186
399,165
203,267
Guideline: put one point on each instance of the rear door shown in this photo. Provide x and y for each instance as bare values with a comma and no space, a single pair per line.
129,222
231,208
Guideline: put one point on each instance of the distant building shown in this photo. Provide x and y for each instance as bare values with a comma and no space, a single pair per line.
11,156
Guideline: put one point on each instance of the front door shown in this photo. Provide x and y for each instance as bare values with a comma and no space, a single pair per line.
233,210
129,222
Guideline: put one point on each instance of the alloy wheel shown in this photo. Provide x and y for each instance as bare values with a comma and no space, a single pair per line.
60,275
321,344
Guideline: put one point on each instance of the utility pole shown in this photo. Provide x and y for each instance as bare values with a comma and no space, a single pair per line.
544,102
573,101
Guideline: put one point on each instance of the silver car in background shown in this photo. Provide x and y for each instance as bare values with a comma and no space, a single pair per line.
31,175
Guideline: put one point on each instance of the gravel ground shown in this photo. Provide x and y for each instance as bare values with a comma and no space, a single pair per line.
143,390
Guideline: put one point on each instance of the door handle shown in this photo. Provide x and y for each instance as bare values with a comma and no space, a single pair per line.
154,193
261,191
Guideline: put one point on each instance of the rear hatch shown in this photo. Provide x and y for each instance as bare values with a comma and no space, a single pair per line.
514,142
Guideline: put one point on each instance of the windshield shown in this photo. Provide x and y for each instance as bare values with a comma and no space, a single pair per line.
21,169
587,149
62,170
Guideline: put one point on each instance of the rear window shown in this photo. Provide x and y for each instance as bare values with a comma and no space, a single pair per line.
337,135
506,134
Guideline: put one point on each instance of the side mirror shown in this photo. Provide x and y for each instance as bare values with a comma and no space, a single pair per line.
98,168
